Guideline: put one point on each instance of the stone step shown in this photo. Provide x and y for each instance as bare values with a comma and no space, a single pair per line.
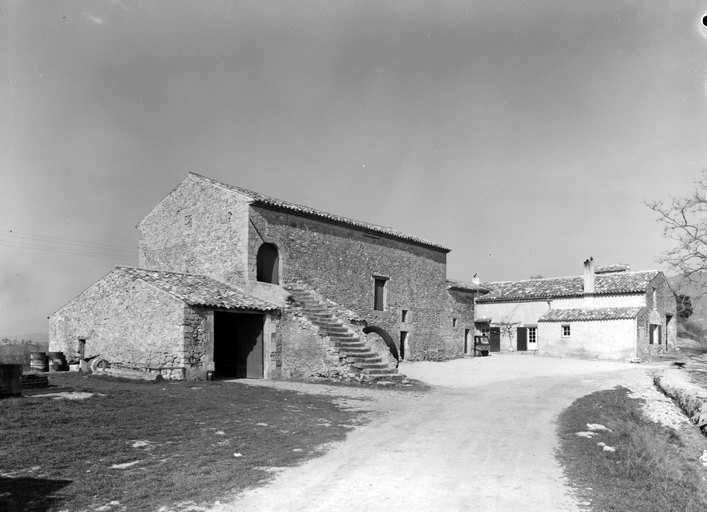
371,360
375,364
345,348
379,371
324,323
338,330
344,345
348,335
318,314
358,351
383,376
347,342
354,357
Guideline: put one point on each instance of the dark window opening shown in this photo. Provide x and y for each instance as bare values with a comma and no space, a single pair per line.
268,262
379,294
565,331
404,316
454,322
82,348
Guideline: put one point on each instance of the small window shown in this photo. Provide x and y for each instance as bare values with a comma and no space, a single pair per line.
565,331
454,322
533,334
404,316
379,294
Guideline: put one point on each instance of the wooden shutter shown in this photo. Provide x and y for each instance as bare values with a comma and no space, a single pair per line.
522,338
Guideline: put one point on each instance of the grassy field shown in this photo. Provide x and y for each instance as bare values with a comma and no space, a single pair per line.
139,446
652,469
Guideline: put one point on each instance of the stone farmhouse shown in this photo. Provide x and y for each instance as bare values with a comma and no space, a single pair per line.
608,313
232,283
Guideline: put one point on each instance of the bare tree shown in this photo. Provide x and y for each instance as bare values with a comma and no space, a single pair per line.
508,329
684,220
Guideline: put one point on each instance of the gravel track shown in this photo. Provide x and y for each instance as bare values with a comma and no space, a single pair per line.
482,439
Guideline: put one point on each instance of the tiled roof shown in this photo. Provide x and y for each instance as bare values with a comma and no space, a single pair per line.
465,286
262,200
556,287
198,290
588,315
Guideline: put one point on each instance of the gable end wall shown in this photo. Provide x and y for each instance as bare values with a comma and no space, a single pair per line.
124,321
199,228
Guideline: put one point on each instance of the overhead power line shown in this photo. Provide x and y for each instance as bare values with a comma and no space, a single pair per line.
66,250
66,241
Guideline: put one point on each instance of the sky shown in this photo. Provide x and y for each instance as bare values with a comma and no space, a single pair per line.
524,136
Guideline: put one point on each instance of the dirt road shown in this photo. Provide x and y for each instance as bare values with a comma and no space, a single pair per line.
483,440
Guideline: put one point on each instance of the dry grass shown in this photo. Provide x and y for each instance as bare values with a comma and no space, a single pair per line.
176,441
649,470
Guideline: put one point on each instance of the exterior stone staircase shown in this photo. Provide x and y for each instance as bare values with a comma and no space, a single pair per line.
344,339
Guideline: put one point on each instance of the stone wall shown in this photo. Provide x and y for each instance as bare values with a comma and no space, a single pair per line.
199,228
655,313
124,321
461,307
340,263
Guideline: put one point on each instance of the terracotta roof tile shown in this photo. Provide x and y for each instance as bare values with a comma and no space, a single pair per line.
198,290
555,287
589,314
263,200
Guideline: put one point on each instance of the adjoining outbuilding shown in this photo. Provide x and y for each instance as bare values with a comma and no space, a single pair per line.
180,325
609,313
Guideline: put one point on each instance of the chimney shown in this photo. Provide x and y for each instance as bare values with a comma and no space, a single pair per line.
589,283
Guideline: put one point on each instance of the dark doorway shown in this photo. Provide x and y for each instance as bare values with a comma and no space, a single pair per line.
238,345
522,338
268,262
468,347
668,318
495,339
403,344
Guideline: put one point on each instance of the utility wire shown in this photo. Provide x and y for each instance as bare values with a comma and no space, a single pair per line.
67,241
82,250
29,242
65,250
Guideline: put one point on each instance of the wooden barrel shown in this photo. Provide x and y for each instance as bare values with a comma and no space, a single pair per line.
38,361
57,361
10,380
